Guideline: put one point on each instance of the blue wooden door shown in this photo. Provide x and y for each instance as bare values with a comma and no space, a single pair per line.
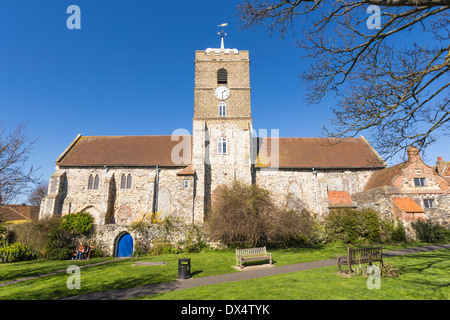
125,246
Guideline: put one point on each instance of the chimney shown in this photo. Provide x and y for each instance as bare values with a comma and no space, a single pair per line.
413,154
440,165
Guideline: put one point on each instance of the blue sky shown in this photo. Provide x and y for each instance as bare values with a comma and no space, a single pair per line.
130,71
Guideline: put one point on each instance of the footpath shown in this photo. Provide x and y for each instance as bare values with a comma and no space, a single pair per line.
239,276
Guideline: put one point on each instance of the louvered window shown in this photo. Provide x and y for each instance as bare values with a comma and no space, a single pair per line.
222,76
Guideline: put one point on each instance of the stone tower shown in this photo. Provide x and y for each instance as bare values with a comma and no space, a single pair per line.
222,125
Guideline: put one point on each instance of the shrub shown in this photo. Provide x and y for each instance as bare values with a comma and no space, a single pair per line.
16,252
353,226
44,236
245,215
427,231
393,232
80,222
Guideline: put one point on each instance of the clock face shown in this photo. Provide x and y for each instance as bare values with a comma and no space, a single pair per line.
222,93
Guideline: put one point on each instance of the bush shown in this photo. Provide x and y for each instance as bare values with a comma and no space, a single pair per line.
353,226
16,252
246,216
80,222
393,232
428,231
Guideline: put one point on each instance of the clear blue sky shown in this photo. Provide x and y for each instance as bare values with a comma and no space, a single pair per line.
130,71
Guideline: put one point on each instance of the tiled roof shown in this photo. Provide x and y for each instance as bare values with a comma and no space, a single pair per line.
340,199
122,151
384,177
408,205
319,153
12,212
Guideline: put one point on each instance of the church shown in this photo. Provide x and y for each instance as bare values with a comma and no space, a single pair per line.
120,179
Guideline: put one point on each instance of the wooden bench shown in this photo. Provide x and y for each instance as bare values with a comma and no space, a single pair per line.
359,256
252,254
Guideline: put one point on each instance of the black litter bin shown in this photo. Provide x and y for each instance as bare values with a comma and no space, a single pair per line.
184,268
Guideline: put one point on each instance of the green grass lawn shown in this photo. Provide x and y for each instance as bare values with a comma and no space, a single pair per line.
424,275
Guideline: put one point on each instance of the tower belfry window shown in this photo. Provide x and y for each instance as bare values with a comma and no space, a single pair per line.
222,76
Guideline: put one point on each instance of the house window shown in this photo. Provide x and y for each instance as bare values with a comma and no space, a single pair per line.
125,181
419,182
428,203
222,109
93,182
222,146
222,76
186,184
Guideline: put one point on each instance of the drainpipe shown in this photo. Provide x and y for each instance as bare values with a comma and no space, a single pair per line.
317,194
155,205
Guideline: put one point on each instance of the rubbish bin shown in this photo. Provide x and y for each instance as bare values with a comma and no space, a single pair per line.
184,268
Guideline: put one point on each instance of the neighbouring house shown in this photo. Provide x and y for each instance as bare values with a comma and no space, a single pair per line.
409,191
18,212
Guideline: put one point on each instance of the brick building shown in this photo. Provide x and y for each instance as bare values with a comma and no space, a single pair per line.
410,190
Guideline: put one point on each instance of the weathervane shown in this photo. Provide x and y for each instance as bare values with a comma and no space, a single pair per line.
222,35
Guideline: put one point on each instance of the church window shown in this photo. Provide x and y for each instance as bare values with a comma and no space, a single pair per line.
222,109
129,181
93,182
90,182
96,182
125,181
222,146
419,182
222,76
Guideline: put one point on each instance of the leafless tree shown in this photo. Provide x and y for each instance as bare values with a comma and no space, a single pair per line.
38,194
15,175
391,82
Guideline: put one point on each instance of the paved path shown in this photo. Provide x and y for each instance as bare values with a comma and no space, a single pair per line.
244,275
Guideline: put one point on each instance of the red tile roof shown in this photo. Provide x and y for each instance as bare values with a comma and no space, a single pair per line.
340,199
13,212
121,151
408,205
320,153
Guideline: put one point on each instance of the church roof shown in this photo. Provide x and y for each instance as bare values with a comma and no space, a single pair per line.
120,151
320,153
157,151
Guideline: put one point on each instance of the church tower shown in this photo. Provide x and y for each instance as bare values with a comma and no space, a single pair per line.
222,125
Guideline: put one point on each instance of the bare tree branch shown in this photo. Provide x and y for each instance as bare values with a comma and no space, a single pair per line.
399,93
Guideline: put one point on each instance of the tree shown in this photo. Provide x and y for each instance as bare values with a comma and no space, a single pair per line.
38,194
15,176
391,81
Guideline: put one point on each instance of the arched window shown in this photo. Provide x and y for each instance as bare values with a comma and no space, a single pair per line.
90,182
222,146
222,76
129,181
123,181
96,182
222,109
126,181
